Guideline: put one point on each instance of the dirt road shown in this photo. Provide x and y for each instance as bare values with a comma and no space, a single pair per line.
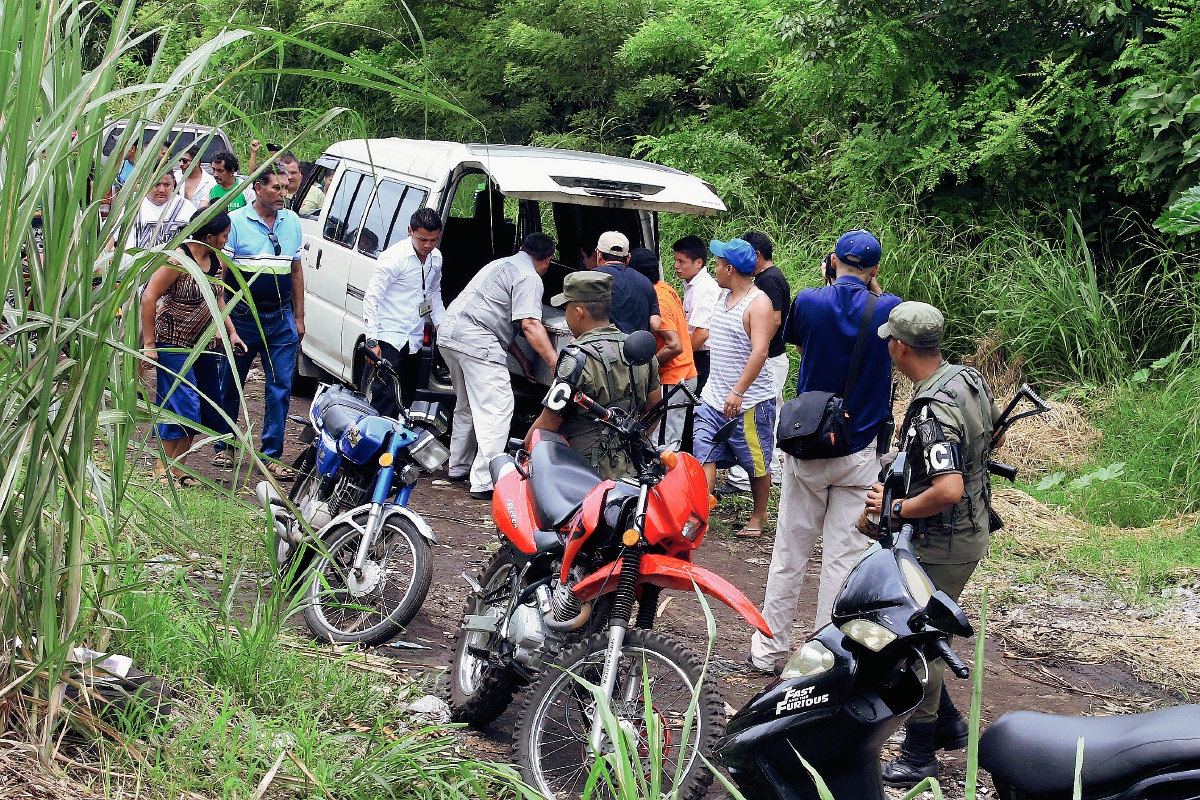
466,538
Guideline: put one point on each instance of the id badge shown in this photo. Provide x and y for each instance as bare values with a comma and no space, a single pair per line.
426,309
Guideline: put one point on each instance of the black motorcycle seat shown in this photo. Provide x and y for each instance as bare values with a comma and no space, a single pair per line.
559,479
343,408
1035,752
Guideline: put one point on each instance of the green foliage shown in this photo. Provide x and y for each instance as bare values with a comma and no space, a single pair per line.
1183,216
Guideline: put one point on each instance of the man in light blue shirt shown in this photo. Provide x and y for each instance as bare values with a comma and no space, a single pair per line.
264,245
405,291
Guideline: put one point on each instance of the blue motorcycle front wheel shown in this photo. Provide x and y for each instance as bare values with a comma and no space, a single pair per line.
373,605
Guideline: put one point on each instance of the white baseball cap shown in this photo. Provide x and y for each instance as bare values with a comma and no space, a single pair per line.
614,243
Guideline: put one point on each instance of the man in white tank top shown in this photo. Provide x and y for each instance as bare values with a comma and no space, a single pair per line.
738,387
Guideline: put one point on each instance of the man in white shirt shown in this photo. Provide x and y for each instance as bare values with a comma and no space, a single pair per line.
476,339
405,291
700,293
161,215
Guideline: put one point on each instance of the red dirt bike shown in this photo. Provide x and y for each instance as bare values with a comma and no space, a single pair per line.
558,599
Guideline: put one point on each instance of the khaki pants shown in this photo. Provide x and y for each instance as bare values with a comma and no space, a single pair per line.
950,578
674,423
820,497
483,413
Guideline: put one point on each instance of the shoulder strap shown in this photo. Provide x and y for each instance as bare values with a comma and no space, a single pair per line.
864,328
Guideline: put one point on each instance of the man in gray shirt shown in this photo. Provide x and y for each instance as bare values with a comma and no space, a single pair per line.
476,338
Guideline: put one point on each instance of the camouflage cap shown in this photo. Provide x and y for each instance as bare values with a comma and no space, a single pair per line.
585,287
916,324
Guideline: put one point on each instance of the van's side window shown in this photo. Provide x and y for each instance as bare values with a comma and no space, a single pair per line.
387,218
347,207
311,200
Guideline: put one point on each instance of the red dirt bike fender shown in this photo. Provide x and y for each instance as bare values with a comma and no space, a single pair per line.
674,573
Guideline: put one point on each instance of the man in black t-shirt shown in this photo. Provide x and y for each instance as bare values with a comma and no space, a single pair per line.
770,279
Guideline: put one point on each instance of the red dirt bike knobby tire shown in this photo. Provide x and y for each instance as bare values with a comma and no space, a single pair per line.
585,659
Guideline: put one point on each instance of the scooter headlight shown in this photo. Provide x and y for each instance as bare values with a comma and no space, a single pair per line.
870,635
811,659
693,528
918,583
428,451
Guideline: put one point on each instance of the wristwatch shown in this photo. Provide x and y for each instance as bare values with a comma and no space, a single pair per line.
372,343
896,509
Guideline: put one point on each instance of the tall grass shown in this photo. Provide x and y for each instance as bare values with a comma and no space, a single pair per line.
1040,295
69,401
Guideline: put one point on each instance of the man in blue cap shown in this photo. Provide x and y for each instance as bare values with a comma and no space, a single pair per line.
824,496
738,387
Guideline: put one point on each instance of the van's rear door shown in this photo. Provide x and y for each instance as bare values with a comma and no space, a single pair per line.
589,179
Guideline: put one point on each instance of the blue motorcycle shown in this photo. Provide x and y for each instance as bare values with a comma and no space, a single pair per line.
367,566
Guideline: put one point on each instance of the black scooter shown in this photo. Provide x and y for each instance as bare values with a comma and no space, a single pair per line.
856,681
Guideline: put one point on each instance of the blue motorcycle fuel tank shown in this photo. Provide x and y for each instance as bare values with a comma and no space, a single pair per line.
363,440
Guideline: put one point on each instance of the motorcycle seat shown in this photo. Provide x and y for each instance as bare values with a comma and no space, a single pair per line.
1035,752
343,408
559,479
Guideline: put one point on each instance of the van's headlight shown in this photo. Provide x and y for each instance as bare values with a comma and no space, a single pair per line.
692,528
428,451
918,583
811,659
870,635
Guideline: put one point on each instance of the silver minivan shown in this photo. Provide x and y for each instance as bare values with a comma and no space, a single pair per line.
357,199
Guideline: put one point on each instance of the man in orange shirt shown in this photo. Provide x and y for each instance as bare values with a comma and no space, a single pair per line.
675,361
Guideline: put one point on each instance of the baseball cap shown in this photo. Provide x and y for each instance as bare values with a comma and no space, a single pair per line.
613,243
737,252
915,324
643,260
858,249
584,287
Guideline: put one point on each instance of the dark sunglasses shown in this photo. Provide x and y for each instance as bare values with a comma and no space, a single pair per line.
274,242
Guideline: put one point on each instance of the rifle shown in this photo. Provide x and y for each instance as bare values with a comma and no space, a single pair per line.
1007,419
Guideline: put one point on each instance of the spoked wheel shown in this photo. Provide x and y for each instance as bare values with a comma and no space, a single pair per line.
551,740
480,688
375,605
302,496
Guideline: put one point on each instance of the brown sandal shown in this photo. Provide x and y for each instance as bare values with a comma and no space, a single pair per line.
281,472
749,533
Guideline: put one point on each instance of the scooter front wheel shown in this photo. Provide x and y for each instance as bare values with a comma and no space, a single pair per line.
372,607
553,751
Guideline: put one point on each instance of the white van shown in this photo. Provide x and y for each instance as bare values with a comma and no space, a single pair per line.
357,200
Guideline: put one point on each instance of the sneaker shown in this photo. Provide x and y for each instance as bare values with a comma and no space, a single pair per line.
727,489
775,671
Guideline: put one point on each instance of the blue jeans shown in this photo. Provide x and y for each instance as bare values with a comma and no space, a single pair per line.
277,344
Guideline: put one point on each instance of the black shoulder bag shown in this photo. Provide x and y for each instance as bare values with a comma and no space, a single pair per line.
817,424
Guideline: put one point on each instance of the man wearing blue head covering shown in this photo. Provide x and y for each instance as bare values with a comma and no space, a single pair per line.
823,496
738,387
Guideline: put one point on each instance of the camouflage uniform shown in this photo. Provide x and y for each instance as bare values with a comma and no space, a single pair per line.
948,429
595,365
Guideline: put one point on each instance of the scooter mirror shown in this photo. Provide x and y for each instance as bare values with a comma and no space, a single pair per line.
945,615
639,348
725,431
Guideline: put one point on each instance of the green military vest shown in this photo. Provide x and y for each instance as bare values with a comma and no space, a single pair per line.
596,366
961,402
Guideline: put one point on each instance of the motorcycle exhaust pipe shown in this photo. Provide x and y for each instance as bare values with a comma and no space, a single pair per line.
578,621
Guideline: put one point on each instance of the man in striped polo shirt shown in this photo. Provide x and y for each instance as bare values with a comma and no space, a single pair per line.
740,331
264,244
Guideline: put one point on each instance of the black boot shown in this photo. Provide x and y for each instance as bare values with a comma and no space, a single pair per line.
951,732
917,761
